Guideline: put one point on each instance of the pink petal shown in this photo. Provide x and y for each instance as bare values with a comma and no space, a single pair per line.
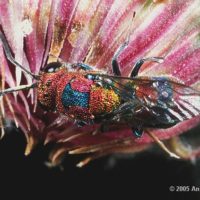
91,31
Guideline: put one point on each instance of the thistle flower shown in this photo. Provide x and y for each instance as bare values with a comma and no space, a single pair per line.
91,31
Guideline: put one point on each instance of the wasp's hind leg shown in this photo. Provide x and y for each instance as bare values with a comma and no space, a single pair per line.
140,62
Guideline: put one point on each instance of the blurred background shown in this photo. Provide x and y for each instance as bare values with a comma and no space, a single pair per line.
122,176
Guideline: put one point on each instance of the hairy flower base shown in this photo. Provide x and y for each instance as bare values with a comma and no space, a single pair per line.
91,31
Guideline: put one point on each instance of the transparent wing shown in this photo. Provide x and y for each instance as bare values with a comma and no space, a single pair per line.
156,101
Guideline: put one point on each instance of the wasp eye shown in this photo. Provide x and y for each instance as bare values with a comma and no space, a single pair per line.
52,67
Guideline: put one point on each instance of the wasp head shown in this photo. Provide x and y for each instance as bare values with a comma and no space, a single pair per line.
47,84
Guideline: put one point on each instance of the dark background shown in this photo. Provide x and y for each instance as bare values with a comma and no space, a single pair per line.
144,176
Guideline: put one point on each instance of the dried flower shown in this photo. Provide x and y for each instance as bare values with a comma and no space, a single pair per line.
91,31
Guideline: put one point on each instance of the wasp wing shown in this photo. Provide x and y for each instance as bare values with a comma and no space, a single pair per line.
154,101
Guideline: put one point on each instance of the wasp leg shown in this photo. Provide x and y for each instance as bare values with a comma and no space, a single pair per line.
10,57
162,145
138,132
82,66
140,62
18,88
115,64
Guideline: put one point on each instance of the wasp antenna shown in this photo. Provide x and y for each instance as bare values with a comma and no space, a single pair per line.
18,88
10,57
